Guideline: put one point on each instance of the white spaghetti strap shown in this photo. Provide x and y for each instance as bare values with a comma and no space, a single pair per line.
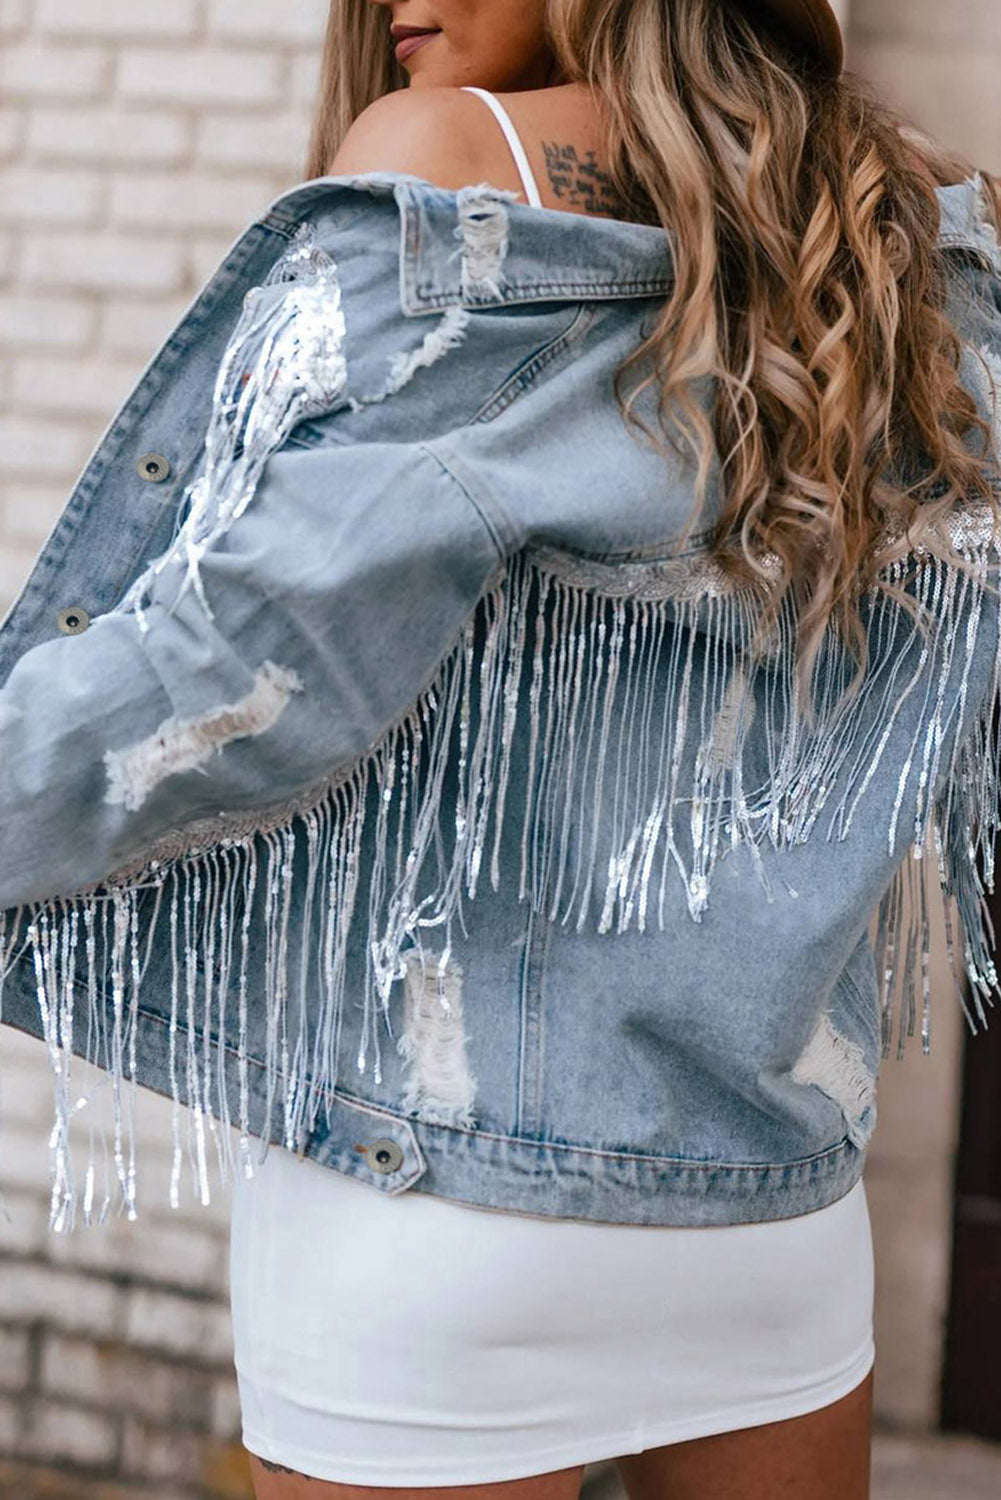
514,141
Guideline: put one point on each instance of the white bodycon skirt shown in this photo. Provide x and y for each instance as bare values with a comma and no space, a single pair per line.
416,1341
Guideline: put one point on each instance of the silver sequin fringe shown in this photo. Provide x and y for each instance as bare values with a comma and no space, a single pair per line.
585,738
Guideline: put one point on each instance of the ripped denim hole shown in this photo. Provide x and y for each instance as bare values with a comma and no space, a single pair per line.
183,745
837,1066
440,1087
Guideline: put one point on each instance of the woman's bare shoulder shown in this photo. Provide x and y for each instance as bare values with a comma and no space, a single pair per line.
447,136
434,133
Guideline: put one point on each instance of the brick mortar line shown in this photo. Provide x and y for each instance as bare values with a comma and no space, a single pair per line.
177,1363
123,1280
119,1414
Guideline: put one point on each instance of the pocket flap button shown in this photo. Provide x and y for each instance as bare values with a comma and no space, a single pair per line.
384,1155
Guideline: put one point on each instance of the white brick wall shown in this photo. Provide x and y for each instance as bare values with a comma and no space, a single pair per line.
37,70
136,141
201,76
118,20
106,133
115,1341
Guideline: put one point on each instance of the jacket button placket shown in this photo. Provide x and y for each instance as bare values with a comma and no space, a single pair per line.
73,620
153,467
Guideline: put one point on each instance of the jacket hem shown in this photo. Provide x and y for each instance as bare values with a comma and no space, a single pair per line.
481,1168
478,1167
508,1175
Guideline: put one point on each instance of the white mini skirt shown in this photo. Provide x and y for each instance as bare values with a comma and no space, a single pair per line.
415,1341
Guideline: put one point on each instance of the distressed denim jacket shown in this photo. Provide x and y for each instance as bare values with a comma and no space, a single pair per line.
384,774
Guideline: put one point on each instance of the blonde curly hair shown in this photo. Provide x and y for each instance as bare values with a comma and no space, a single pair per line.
808,290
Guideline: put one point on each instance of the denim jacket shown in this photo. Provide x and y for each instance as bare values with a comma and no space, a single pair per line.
383,771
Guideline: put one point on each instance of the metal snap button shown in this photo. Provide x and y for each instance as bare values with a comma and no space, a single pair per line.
73,621
384,1155
153,467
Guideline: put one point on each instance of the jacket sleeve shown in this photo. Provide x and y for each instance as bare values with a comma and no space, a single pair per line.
331,602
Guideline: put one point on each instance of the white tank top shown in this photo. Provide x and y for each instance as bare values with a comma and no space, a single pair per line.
514,141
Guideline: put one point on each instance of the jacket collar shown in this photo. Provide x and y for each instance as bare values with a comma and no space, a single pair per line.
966,219
550,254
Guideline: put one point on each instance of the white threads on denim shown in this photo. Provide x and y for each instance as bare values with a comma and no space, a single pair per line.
440,1087
631,793
448,334
837,1066
641,700
405,363
285,361
483,229
179,745
733,720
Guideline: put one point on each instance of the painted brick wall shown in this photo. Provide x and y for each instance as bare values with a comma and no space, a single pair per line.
136,141
116,1374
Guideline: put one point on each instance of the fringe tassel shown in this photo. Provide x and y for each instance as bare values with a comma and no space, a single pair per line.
628,716
284,362
646,742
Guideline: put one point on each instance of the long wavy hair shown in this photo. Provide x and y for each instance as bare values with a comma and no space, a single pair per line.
807,291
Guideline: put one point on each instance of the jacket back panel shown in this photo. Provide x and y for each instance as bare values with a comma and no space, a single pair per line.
496,906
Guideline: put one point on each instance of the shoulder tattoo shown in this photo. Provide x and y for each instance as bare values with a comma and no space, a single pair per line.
576,178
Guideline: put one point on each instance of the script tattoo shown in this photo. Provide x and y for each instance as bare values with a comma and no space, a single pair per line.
577,178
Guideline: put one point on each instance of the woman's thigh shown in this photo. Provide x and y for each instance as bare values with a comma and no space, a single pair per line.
272,1482
824,1455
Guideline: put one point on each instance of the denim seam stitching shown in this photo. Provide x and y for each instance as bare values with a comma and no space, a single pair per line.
683,1163
524,376
571,290
487,520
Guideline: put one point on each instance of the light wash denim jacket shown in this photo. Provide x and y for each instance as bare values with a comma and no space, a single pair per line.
380,776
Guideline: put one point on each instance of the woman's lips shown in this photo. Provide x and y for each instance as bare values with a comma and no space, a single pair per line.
408,44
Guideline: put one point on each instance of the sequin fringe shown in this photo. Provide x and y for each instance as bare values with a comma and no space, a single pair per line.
605,701
585,738
284,362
